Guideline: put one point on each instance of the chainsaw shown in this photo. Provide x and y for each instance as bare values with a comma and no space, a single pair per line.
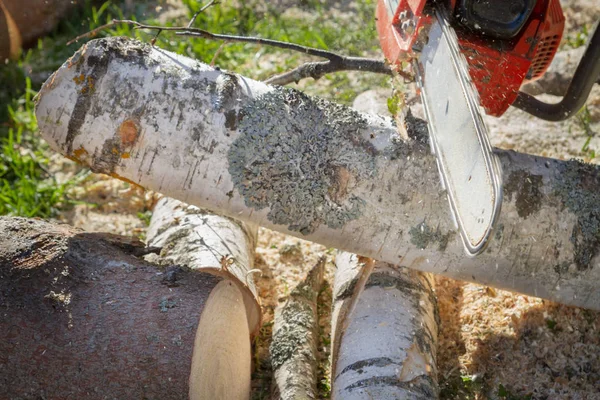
471,57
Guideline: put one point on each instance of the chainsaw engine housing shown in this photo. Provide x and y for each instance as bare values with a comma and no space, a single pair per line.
503,49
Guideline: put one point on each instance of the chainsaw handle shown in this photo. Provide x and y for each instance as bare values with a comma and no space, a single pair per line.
586,74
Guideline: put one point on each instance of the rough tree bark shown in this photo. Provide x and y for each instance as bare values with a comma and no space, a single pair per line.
384,345
207,242
314,169
83,318
294,349
221,246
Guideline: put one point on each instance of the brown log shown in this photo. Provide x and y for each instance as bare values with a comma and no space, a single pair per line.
35,18
83,318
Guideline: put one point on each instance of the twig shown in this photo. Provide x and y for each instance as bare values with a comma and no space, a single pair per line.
256,40
317,70
91,33
219,50
155,37
195,32
209,4
114,22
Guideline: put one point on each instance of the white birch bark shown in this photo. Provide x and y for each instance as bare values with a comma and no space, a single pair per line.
207,242
303,166
385,346
294,349
351,276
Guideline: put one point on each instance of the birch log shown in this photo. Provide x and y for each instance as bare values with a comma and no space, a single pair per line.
385,345
314,169
84,319
294,349
202,241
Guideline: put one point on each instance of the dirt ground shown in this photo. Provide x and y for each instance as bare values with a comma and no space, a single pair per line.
492,344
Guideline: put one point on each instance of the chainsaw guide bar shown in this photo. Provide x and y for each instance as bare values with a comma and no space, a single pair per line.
470,171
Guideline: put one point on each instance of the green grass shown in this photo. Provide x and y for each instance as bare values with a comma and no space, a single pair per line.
577,39
585,120
26,187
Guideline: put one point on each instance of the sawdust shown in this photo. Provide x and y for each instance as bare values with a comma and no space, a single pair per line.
110,205
527,345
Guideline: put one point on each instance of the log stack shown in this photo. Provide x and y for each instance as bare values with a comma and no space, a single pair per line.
83,317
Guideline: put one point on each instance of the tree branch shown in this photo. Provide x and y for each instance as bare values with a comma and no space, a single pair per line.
317,70
315,169
204,8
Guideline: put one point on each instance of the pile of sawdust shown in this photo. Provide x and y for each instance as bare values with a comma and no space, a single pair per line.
493,339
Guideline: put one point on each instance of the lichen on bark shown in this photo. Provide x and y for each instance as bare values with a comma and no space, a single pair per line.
299,156
423,235
577,188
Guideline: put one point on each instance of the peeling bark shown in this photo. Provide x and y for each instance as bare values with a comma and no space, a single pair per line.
83,318
350,277
386,342
200,240
294,349
311,168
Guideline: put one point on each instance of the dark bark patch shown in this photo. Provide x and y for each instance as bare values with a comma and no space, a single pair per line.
231,119
108,158
526,189
371,362
227,92
93,70
84,100
578,188
299,156
420,388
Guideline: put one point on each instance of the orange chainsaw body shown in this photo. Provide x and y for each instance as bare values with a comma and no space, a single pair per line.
498,66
